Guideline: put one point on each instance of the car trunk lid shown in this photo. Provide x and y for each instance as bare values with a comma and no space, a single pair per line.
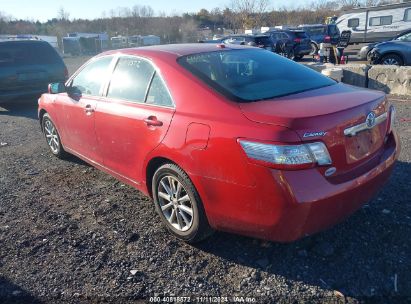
323,115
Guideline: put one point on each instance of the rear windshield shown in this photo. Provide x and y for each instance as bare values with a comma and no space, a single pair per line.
300,34
262,40
317,30
27,53
253,74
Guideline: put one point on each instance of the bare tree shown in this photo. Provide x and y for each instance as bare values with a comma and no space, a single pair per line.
250,12
62,14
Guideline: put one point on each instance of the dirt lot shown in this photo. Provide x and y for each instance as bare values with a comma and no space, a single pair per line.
69,233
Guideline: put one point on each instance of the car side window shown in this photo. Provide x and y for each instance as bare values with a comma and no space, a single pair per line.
407,14
90,79
158,93
353,22
130,79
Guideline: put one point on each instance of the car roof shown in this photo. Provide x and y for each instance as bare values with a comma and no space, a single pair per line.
22,41
177,50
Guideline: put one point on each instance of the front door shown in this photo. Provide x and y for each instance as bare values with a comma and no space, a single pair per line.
78,108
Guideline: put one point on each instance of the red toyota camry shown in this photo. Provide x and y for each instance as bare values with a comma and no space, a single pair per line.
228,138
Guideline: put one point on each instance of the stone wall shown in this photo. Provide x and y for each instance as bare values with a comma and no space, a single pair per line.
390,79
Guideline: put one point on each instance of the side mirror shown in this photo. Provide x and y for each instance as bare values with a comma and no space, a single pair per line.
56,88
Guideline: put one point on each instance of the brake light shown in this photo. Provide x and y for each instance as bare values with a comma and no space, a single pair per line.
327,39
287,156
297,40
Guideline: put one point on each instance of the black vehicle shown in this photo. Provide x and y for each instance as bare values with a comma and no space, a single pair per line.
294,43
259,40
321,33
27,67
393,52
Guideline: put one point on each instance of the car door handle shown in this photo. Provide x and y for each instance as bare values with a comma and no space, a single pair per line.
88,109
152,121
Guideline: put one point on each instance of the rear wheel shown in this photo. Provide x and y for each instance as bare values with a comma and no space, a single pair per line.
179,205
392,59
52,137
314,49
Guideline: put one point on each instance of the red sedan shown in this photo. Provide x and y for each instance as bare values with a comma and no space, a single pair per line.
226,137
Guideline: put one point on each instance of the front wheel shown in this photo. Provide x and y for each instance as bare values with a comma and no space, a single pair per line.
392,59
179,205
52,137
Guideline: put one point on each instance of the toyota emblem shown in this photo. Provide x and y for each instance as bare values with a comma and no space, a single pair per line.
370,120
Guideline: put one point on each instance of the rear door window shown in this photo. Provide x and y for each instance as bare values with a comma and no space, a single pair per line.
130,79
158,93
378,21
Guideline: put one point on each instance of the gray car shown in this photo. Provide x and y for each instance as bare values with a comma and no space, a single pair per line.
394,52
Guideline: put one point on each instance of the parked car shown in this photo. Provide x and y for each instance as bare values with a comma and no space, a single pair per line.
220,141
394,52
365,50
321,33
295,42
27,67
259,40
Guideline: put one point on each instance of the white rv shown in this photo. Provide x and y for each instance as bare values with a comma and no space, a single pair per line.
378,23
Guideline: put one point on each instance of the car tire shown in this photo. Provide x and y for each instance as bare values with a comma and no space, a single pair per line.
314,49
392,59
179,205
52,137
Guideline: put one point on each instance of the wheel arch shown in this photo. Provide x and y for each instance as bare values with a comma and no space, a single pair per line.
41,115
152,165
393,52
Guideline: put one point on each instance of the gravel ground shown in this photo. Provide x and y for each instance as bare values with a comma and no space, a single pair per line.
69,233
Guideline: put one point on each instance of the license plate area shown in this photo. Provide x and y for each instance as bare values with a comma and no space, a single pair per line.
363,144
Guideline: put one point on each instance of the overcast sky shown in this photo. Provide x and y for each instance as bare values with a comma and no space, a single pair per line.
46,9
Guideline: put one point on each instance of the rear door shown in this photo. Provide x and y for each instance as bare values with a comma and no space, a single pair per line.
134,116
77,108
334,33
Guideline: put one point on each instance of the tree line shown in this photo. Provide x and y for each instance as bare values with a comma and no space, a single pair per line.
236,16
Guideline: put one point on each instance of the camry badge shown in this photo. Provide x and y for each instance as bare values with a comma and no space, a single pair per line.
314,134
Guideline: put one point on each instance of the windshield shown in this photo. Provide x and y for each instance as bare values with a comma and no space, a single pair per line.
251,75
405,37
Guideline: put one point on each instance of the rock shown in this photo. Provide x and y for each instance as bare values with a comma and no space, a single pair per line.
134,237
3,144
386,211
133,272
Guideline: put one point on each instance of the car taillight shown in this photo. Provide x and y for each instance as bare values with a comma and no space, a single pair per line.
287,156
327,39
297,40
392,113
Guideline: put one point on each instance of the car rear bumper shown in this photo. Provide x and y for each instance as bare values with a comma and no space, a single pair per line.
302,50
287,205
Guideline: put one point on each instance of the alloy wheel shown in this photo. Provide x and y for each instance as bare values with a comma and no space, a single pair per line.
391,61
175,203
51,136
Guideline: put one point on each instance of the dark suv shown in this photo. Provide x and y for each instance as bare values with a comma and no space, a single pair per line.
259,40
27,67
321,33
294,43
